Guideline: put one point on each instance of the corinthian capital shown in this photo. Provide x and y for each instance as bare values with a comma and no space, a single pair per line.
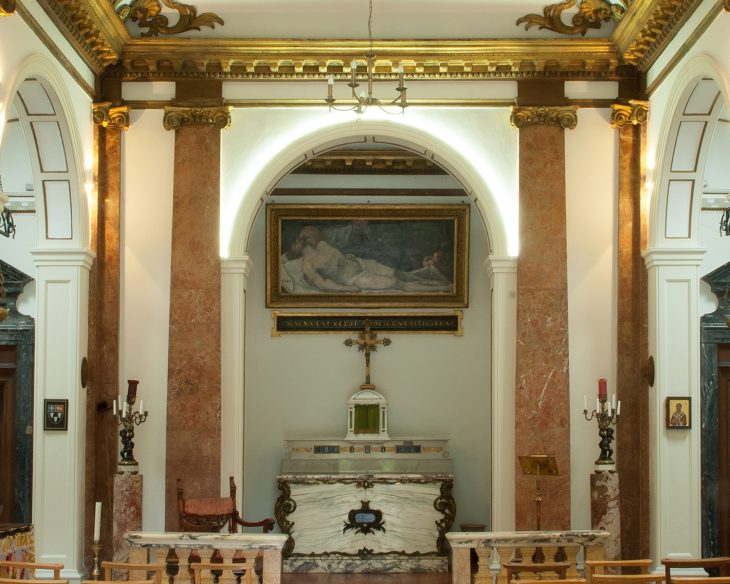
7,7
177,117
564,116
106,115
635,112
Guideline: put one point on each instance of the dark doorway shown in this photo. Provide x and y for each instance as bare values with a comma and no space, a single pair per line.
8,362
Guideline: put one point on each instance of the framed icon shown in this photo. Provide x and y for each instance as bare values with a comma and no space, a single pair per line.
678,413
55,414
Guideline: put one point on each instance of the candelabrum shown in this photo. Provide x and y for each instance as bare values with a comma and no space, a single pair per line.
128,419
96,549
607,415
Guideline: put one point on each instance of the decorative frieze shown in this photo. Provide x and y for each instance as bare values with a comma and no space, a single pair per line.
106,115
146,13
564,116
176,117
636,112
7,7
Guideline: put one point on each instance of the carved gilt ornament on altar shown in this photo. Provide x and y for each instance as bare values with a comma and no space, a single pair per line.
7,7
148,15
591,14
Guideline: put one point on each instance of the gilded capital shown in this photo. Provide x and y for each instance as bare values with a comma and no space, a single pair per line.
108,116
635,112
564,116
177,117
7,7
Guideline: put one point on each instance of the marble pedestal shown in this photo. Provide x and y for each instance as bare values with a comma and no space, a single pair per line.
127,512
605,511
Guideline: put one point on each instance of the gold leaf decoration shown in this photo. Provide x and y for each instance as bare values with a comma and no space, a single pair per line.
103,114
565,116
176,117
591,14
147,14
7,7
635,113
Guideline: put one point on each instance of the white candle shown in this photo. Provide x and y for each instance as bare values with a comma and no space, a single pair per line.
585,403
598,405
114,406
618,409
97,522
609,409
353,65
614,401
141,406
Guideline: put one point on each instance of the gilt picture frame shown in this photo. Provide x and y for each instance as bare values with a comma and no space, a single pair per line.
678,413
365,256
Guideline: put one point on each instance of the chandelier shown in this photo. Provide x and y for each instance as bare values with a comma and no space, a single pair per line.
7,225
362,99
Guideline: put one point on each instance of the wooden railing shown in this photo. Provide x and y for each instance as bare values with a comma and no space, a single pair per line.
518,551
178,550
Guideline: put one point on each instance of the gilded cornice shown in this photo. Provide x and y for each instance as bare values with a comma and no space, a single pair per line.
564,116
636,112
106,115
648,26
176,117
230,59
7,7
93,28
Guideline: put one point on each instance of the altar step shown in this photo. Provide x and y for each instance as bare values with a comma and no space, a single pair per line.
419,578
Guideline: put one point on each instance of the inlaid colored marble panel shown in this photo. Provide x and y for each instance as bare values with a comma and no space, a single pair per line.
194,374
542,392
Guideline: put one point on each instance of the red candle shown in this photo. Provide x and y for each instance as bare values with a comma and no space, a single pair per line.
132,390
602,389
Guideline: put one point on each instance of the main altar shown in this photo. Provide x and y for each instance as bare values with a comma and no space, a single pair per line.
366,502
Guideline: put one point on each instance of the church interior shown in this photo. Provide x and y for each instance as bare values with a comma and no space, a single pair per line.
366,287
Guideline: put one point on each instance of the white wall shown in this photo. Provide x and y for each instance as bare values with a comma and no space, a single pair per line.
591,152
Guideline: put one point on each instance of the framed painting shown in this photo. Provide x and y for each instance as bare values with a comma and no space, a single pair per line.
367,255
678,413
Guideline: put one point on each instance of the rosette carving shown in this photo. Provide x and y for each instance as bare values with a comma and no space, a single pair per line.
636,112
177,117
591,14
7,7
147,14
566,116
106,115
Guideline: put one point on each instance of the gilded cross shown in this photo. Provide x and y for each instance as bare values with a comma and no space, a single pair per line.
367,342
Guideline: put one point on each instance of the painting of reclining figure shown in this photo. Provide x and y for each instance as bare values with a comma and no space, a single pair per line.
367,255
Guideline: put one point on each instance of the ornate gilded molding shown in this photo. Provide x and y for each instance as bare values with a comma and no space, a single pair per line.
648,27
176,117
564,116
146,13
591,14
7,7
106,115
636,112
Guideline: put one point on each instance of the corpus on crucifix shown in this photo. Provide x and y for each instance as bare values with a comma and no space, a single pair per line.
367,410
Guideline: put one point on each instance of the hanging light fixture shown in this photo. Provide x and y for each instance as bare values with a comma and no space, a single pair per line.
362,99
725,222
7,225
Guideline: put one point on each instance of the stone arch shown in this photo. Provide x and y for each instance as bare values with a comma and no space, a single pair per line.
501,231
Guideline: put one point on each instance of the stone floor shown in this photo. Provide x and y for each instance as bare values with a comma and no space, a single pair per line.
422,578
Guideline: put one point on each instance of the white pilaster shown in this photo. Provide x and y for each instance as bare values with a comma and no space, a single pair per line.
503,288
674,454
234,277
58,458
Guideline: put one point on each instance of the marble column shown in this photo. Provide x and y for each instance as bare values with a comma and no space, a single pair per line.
632,445
194,355
127,514
542,395
104,306
606,510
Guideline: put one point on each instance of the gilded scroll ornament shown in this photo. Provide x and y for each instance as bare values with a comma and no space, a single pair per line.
103,114
636,112
7,7
591,14
566,116
146,13
177,117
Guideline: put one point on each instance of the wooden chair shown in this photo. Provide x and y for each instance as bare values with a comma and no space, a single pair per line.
717,566
211,514
12,570
616,567
514,569
117,581
243,572
551,581
134,571
31,581
627,579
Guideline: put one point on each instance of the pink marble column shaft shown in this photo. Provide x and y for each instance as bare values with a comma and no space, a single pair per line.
127,514
194,367
605,510
542,393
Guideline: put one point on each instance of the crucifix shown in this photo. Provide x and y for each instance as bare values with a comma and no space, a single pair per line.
367,342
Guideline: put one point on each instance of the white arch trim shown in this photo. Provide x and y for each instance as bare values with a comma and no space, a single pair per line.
45,69
485,185
701,66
